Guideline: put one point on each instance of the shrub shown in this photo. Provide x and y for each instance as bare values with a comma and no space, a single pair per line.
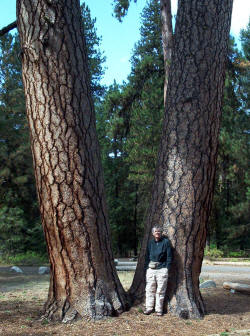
12,226
237,254
213,252
28,258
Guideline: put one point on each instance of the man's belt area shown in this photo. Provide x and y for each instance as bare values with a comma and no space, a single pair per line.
153,264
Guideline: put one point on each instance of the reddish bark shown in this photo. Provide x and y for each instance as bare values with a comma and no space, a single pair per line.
67,162
184,180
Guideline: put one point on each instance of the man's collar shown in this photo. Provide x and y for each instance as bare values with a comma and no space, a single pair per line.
157,241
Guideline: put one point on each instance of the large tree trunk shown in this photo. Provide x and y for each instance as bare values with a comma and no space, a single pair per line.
67,162
167,39
184,181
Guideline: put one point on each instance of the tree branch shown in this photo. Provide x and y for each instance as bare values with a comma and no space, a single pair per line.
8,28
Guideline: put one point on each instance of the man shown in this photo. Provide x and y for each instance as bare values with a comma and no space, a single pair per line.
157,262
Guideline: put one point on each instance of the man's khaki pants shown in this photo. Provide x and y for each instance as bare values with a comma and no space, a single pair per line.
156,284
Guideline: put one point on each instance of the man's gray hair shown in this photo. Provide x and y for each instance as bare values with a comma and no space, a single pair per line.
158,228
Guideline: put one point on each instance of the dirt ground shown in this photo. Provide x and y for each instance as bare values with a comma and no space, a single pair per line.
22,298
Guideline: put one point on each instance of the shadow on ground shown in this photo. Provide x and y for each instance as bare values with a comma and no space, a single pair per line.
223,302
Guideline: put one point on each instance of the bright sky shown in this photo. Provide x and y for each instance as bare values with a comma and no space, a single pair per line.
118,39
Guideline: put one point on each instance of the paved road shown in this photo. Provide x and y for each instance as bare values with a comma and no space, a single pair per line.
227,272
215,272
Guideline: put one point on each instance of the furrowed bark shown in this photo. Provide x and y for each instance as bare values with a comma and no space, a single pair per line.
67,165
167,39
184,180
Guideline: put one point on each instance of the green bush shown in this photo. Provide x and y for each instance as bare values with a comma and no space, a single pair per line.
29,259
12,226
18,235
237,254
213,252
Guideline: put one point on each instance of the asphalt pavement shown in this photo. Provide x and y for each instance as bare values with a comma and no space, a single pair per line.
225,272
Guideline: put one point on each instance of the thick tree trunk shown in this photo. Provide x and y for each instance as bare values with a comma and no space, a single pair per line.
67,162
135,242
183,186
167,39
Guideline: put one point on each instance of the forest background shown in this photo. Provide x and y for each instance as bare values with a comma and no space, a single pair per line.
129,123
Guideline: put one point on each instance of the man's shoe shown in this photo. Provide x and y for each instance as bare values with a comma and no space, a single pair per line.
159,313
147,311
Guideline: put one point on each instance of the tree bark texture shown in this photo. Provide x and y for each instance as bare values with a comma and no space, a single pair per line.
67,165
184,180
167,39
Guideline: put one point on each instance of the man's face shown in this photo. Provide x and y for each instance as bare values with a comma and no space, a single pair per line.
157,234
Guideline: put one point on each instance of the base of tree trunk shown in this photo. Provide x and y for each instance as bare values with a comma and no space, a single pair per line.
186,309
60,311
66,312
95,304
184,300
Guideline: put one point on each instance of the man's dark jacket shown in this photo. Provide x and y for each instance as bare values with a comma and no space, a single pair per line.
159,251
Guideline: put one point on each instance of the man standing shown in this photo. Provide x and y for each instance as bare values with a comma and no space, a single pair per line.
157,262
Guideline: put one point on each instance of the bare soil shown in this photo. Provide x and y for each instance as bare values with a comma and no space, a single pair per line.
22,298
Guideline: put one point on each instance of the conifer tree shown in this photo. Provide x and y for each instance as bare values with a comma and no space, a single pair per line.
20,224
132,116
66,155
184,180
230,216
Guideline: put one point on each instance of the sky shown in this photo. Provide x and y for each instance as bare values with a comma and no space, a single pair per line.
118,39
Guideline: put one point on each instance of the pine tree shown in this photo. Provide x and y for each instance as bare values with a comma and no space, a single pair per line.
20,218
121,193
19,214
131,118
66,155
96,58
230,216
184,179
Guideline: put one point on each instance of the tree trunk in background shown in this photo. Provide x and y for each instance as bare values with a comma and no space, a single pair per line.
184,181
167,39
67,162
